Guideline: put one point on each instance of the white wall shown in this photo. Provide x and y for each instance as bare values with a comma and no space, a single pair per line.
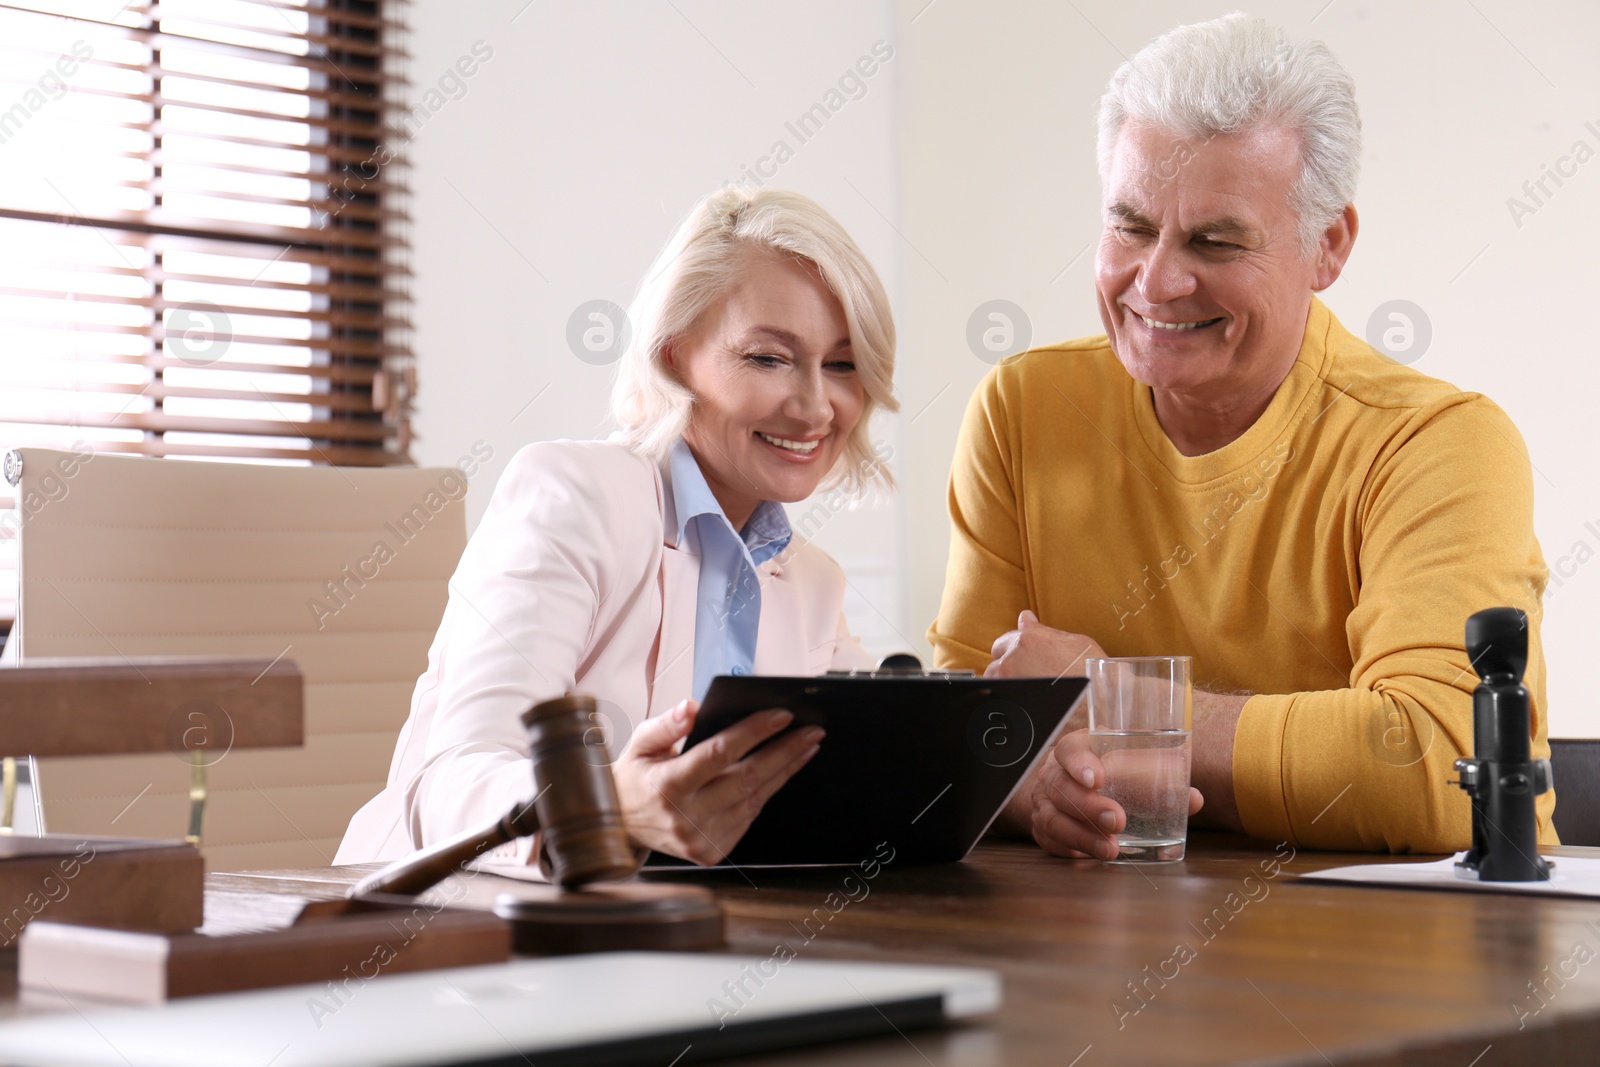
967,174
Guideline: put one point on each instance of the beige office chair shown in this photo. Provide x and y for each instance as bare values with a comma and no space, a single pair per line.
343,570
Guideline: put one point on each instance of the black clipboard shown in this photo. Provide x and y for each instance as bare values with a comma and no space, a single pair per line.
920,764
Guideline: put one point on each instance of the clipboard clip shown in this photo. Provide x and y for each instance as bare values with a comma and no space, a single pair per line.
899,665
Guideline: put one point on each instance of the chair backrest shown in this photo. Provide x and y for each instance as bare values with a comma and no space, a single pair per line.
343,570
1576,763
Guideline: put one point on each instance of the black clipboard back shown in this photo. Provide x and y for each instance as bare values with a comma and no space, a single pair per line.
917,764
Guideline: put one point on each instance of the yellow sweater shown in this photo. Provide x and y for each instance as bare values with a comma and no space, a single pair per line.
1326,560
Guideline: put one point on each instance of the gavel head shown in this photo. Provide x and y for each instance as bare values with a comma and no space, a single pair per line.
575,795
1497,644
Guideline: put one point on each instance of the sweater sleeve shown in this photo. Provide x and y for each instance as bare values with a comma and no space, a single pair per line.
1444,529
985,585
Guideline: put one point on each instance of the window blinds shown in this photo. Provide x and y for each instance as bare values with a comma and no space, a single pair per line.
203,231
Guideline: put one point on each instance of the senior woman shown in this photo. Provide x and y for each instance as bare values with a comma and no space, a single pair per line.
636,569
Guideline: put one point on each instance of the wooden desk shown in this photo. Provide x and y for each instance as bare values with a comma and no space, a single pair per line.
1280,972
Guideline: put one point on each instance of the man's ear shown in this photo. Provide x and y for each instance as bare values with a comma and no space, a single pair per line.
1334,250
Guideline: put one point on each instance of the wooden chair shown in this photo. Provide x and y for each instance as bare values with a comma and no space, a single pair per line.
343,570
1576,763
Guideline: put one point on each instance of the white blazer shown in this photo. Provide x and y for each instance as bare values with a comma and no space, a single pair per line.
571,583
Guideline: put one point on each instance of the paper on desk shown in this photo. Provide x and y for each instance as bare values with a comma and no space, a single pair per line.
1570,876
521,870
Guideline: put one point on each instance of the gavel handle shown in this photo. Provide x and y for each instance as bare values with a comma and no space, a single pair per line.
434,864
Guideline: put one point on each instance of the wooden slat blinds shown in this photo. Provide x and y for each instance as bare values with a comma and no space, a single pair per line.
202,232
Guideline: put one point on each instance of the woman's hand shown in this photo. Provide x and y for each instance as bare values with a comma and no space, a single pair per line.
698,805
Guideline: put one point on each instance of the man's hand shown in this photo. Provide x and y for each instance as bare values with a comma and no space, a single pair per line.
1061,806
1034,650
1066,812
1216,719
698,804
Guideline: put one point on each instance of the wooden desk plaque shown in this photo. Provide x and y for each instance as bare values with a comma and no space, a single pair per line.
106,707
96,707
384,937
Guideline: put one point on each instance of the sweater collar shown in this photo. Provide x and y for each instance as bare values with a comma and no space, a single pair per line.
1276,423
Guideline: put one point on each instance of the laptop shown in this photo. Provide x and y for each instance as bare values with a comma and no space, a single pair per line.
602,1009
914,768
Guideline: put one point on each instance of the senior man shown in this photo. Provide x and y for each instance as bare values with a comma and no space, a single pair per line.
1228,473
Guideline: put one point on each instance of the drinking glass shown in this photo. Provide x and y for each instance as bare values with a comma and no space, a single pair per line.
1140,713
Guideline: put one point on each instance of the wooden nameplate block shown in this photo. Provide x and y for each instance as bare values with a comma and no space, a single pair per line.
109,881
102,707
342,943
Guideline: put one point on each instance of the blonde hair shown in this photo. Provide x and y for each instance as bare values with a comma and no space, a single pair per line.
695,269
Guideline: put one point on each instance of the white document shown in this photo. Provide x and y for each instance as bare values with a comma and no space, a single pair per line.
1570,876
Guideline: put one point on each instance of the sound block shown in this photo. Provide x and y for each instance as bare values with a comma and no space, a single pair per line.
625,916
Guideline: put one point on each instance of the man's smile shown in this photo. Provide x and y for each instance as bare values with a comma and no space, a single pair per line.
1157,324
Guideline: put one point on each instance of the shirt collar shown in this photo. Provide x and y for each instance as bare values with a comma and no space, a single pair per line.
765,535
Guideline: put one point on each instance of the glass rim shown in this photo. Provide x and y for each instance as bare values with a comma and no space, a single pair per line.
1135,659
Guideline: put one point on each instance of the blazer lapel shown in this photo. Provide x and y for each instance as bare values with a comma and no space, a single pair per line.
674,670
781,642
673,676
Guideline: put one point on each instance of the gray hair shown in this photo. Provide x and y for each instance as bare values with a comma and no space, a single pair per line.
1237,73
695,269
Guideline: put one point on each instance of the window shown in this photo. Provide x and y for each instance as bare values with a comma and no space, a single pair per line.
202,233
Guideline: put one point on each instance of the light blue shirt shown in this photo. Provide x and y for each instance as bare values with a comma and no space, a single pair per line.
728,607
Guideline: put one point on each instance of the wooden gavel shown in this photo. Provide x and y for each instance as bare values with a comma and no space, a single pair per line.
575,808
